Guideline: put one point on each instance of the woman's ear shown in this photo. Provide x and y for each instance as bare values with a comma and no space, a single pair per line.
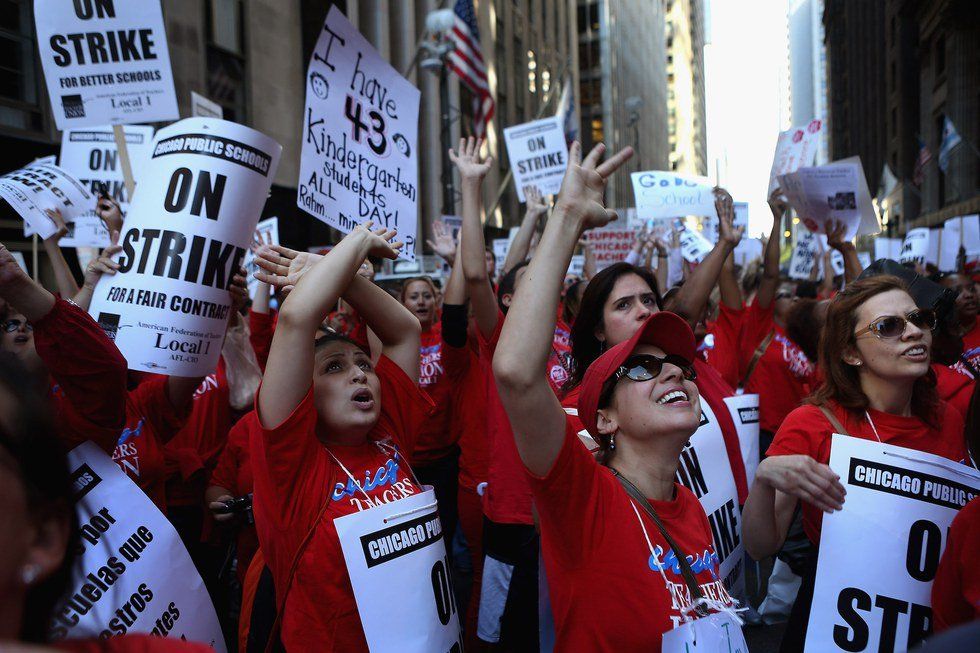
49,545
606,422
852,357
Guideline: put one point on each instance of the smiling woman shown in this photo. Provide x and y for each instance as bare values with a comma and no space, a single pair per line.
878,385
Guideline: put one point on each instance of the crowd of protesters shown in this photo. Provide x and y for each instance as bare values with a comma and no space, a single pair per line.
547,412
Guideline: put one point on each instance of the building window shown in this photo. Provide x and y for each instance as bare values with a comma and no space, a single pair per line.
940,60
894,129
591,91
20,107
940,177
588,54
226,57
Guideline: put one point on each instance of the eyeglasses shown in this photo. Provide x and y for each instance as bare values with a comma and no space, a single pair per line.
893,326
12,325
644,367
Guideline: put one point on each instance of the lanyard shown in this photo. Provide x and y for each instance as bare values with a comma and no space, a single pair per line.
873,429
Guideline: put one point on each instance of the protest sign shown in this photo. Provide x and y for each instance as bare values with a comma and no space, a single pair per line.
890,248
360,145
186,234
961,232
205,108
694,246
935,242
21,261
266,233
795,148
836,261
873,593
915,246
500,248
806,254
398,549
454,223
538,155
105,62
43,185
706,471
661,194
134,574
744,409
610,245
824,193
90,154
741,216
576,265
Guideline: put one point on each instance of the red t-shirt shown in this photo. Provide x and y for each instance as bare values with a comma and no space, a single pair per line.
724,355
151,421
807,431
261,327
294,476
132,644
971,347
956,588
88,389
233,472
441,367
195,448
507,499
954,386
783,377
606,591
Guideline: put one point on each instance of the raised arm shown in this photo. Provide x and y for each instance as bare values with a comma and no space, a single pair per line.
393,324
770,272
526,339
289,371
472,169
690,300
519,248
101,264
64,279
835,238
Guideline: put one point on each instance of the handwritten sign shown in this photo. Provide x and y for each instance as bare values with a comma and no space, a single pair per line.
360,137
661,194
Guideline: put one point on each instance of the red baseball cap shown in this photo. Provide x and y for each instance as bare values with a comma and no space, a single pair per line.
666,330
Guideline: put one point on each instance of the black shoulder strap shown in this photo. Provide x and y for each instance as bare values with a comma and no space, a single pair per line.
686,571
756,355
833,420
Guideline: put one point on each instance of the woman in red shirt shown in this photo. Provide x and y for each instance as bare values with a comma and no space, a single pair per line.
441,368
875,354
956,588
336,431
616,582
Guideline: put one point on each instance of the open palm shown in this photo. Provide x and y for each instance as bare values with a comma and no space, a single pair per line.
280,266
582,189
469,161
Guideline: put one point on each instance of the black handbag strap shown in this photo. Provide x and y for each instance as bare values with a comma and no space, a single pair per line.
686,571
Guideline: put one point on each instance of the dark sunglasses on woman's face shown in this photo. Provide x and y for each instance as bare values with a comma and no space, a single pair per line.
12,325
644,367
893,326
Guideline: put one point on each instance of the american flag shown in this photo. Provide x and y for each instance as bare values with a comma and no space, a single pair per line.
466,60
925,156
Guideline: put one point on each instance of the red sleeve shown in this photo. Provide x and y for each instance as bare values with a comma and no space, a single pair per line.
150,398
87,366
800,434
957,577
724,357
261,326
226,470
404,406
455,361
132,644
489,345
567,499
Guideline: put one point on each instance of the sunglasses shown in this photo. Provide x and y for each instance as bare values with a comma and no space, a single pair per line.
12,325
893,326
646,367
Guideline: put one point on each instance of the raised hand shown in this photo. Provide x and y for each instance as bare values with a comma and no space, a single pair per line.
835,235
59,222
804,478
377,242
238,289
110,213
103,263
582,189
469,161
725,206
280,266
443,244
777,205
536,206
